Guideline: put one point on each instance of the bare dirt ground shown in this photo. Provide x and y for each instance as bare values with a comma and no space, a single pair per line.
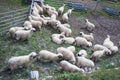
104,26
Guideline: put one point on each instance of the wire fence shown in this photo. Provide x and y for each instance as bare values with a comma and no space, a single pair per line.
12,18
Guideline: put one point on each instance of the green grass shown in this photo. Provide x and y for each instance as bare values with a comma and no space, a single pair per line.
41,40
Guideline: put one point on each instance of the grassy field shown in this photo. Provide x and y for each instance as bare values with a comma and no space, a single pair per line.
41,40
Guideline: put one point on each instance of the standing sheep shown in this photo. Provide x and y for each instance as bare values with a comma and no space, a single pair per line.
98,47
61,9
71,48
66,66
67,54
86,36
50,56
90,26
108,43
82,53
79,41
25,60
98,54
23,34
84,62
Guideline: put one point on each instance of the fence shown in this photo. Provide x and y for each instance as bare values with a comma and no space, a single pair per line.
12,18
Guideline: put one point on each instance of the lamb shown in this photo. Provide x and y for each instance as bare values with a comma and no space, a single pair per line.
79,41
25,60
86,36
12,31
67,54
69,40
90,26
108,43
62,28
82,53
36,24
84,62
98,54
61,9
98,47
49,56
24,34
65,18
66,66
71,48
69,11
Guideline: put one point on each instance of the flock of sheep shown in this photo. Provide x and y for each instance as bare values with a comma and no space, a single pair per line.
70,60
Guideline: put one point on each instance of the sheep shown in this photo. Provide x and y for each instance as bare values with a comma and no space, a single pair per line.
24,34
66,66
67,54
86,36
44,22
62,28
71,48
12,31
108,43
40,9
98,47
69,40
53,16
60,10
84,62
97,55
57,40
65,18
23,61
82,53
27,25
61,35
69,11
79,41
36,24
90,26
114,49
49,56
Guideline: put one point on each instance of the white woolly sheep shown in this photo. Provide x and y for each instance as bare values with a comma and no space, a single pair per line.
66,66
69,40
82,53
84,62
86,36
114,49
25,60
61,9
80,41
49,56
27,25
98,47
23,34
67,54
90,26
12,31
65,18
71,48
97,55
40,9
62,28
36,24
69,11
57,40
108,43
